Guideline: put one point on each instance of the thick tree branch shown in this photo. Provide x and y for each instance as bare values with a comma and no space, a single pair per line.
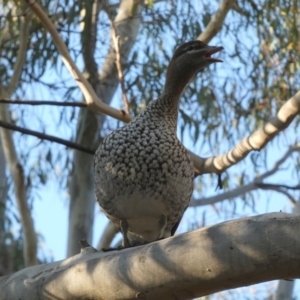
285,288
16,170
81,189
186,266
254,185
91,97
30,240
256,141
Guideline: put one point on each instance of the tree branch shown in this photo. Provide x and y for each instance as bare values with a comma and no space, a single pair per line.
254,185
81,188
46,137
216,22
276,188
21,56
34,102
30,240
185,266
16,170
108,235
119,66
256,141
91,97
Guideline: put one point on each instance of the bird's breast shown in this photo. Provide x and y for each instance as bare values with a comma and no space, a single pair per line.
143,172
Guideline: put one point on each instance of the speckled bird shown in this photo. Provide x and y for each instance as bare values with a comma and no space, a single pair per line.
143,173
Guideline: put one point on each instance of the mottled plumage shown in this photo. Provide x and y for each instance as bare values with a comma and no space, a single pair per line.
143,174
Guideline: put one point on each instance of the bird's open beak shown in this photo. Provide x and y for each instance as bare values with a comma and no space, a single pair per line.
212,50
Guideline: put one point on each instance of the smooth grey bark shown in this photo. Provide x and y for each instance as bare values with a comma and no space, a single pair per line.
127,23
201,262
17,173
10,152
3,190
4,265
108,235
82,202
285,288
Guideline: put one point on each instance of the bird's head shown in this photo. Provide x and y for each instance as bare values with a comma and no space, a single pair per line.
187,61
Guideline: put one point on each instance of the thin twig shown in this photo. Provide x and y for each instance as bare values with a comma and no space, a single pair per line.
276,188
33,102
46,137
119,66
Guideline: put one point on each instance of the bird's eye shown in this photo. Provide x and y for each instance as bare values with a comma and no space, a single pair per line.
189,48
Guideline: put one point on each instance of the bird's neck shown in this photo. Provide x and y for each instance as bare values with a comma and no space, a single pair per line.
165,110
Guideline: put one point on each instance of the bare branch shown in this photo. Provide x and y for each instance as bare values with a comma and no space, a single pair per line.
256,141
34,102
277,165
276,188
30,239
224,196
256,183
281,186
108,235
81,188
119,66
46,137
21,56
216,22
91,97
285,290
185,266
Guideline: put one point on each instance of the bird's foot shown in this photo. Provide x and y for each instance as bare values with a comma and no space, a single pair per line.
120,247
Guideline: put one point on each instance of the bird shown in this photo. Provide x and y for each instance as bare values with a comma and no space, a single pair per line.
143,174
